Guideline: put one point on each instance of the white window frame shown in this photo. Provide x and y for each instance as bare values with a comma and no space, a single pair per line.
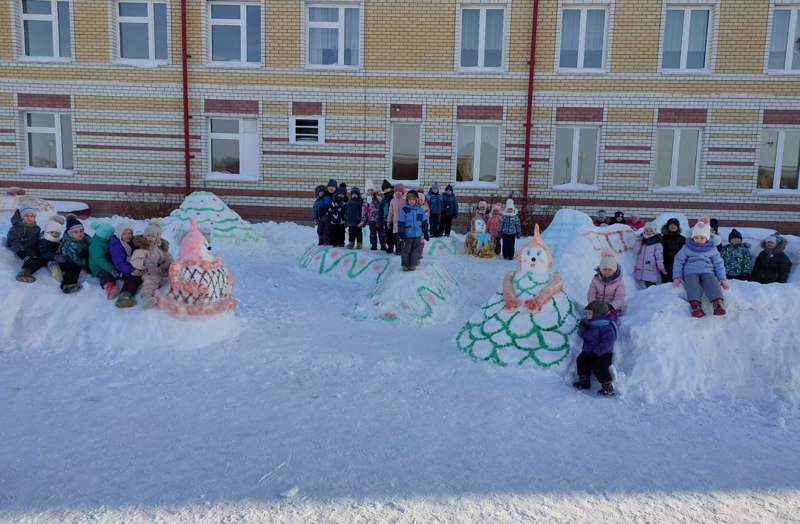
419,152
53,19
687,9
583,8
59,169
476,156
777,174
241,176
341,6
242,23
794,21
320,129
675,161
573,184
151,32
482,37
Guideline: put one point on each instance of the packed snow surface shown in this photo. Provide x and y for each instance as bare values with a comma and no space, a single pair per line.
293,409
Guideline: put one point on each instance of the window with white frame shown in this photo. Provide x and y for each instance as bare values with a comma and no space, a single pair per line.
235,29
48,138
576,156
233,144
332,35
307,130
142,31
405,151
677,158
482,37
583,36
779,161
686,45
784,46
46,29
478,147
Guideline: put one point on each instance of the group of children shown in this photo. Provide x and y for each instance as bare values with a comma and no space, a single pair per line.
111,255
503,224
398,220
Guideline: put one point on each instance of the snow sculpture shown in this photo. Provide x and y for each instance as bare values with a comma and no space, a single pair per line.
479,242
440,246
352,264
199,285
530,319
213,216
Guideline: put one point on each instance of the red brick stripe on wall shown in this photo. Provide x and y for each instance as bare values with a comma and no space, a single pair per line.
672,115
44,101
276,139
626,161
437,157
213,105
676,204
7,144
480,113
406,111
782,116
134,148
627,148
438,144
6,131
522,159
732,149
324,153
306,108
134,135
533,146
729,163
355,141
579,114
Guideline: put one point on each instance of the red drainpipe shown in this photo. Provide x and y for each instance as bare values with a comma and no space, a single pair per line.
529,114
185,72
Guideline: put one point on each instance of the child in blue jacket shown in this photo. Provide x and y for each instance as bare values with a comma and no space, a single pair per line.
599,332
436,205
700,268
412,225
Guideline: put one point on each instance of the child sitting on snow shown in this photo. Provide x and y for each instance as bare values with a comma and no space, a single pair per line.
607,285
412,223
772,265
737,257
120,247
50,246
100,260
493,225
672,240
23,240
699,267
599,332
510,229
75,251
649,268
151,261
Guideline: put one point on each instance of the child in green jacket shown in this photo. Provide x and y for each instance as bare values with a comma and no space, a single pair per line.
100,260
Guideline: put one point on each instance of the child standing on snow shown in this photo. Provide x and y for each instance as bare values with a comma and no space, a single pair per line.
772,265
23,240
320,212
449,209
699,267
387,195
493,225
337,218
649,268
599,332
395,207
352,214
435,203
672,240
607,285
510,229
151,261
50,246
412,224
120,247
737,257
369,217
75,250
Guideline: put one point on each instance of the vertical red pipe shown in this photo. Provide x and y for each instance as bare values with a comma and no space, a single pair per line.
185,73
529,114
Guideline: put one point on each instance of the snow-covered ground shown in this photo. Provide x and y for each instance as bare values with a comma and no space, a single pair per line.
295,409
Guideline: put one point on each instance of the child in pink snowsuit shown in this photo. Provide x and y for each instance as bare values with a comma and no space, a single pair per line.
151,261
395,206
649,268
493,225
607,285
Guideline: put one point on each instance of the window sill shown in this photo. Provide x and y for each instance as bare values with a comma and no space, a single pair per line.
783,72
575,71
576,187
777,192
144,64
476,185
482,70
234,65
691,72
318,67
306,143
46,59
47,171
409,184
227,177
677,189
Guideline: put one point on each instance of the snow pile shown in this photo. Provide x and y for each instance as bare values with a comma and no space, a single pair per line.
425,296
215,219
346,263
441,246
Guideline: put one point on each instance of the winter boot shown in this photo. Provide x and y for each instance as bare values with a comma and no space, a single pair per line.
71,288
719,307
25,276
406,268
373,248
359,244
697,309
125,300
111,290
606,389
583,382
349,245
149,303
55,270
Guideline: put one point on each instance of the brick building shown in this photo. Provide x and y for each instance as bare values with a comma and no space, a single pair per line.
641,105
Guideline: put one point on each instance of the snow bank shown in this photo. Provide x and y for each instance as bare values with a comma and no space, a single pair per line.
217,221
346,263
442,246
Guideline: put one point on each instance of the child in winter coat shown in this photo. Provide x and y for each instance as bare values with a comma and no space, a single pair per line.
699,267
120,247
599,332
493,225
449,210
510,229
394,214
672,240
75,251
150,261
100,260
412,223
320,212
387,195
607,285
436,206
337,218
423,203
352,214
619,218
50,246
649,268
601,219
715,238
772,265
483,210
369,217
23,240
737,257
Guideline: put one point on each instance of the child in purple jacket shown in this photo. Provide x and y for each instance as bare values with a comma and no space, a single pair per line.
599,332
649,268
699,267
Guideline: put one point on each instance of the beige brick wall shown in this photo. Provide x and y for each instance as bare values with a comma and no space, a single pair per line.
546,36
637,26
6,100
90,36
194,23
742,36
6,21
630,114
439,112
351,110
284,21
734,116
519,47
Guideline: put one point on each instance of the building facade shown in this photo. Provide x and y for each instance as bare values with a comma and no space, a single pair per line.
641,105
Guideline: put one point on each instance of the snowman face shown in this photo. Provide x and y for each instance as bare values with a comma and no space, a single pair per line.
535,259
480,225
205,251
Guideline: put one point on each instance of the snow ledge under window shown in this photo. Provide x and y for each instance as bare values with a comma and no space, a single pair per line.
576,187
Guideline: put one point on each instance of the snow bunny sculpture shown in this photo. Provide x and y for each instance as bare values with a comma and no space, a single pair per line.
479,242
529,319
199,285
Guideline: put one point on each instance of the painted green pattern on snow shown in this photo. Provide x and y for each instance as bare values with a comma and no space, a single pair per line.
214,215
326,259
